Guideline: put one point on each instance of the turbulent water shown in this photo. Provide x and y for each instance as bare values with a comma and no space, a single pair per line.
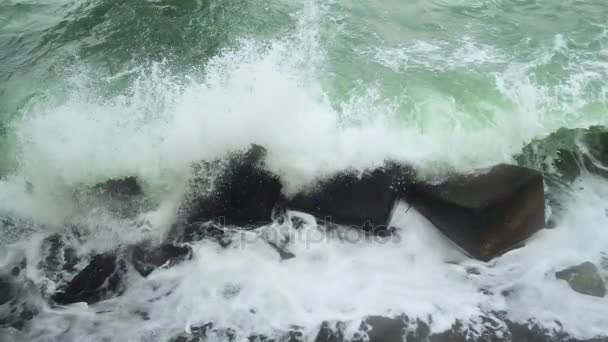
98,89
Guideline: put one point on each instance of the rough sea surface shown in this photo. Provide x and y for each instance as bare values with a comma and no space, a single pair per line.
97,89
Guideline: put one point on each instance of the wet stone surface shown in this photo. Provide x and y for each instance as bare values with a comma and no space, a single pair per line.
146,258
485,213
100,279
243,194
584,278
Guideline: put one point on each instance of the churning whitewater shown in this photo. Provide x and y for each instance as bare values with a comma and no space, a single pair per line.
101,89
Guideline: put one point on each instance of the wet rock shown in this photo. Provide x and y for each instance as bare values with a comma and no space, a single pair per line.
297,222
58,256
364,201
292,336
584,278
145,316
244,194
532,332
146,259
260,338
124,187
192,232
12,228
401,328
179,339
385,329
206,332
330,332
494,329
186,339
122,197
99,280
486,213
596,141
6,290
567,153
18,303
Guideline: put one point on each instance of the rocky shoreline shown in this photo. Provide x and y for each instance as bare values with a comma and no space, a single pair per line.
485,213
398,329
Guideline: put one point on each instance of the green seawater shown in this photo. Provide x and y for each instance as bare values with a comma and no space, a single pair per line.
437,64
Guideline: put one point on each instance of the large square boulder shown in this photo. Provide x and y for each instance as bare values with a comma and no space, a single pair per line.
485,213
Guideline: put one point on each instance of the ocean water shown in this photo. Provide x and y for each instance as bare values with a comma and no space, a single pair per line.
100,89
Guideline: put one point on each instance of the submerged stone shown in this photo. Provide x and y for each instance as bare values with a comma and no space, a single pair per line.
146,259
244,194
584,278
566,153
486,213
99,280
364,201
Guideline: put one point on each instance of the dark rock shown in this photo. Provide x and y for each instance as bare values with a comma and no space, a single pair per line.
259,338
495,329
146,259
401,328
596,150
365,201
197,334
125,187
99,280
385,329
142,314
58,256
486,213
6,290
201,330
245,194
293,336
18,304
184,339
121,197
192,232
532,332
565,154
584,278
297,222
562,157
329,333
230,334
